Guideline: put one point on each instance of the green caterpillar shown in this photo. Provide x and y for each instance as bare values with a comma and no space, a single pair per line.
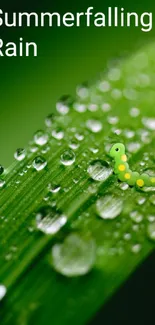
123,171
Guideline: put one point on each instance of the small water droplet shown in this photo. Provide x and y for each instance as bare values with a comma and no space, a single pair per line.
151,231
94,125
64,104
136,216
58,133
109,206
40,138
74,145
106,107
3,291
68,157
124,186
39,163
49,120
54,188
49,220
152,199
99,170
134,112
136,248
149,122
20,154
75,256
2,183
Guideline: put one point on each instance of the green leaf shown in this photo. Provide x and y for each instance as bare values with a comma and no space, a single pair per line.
118,107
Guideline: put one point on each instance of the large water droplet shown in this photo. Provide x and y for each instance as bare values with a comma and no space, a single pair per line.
49,220
75,256
3,291
109,206
39,163
40,138
68,157
20,154
99,170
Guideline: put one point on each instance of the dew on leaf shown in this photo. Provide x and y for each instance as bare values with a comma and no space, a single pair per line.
151,231
149,122
75,256
3,291
94,126
136,248
40,138
106,107
20,154
134,112
58,133
109,206
49,220
49,120
79,107
136,216
39,163
99,170
67,157
2,183
53,188
63,105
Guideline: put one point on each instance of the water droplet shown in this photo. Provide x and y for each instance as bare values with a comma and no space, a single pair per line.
124,186
20,154
74,145
152,199
39,163
106,107
104,86
113,120
63,105
68,157
109,206
49,220
136,216
2,183
133,146
49,120
149,122
54,188
75,256
79,107
3,291
40,138
136,248
83,91
134,112
94,125
114,74
58,133
99,170
151,231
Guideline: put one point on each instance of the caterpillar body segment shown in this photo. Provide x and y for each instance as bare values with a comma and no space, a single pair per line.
124,173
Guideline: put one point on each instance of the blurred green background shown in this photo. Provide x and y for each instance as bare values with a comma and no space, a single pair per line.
30,87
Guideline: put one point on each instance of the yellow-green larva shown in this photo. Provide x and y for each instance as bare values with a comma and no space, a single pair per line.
124,173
